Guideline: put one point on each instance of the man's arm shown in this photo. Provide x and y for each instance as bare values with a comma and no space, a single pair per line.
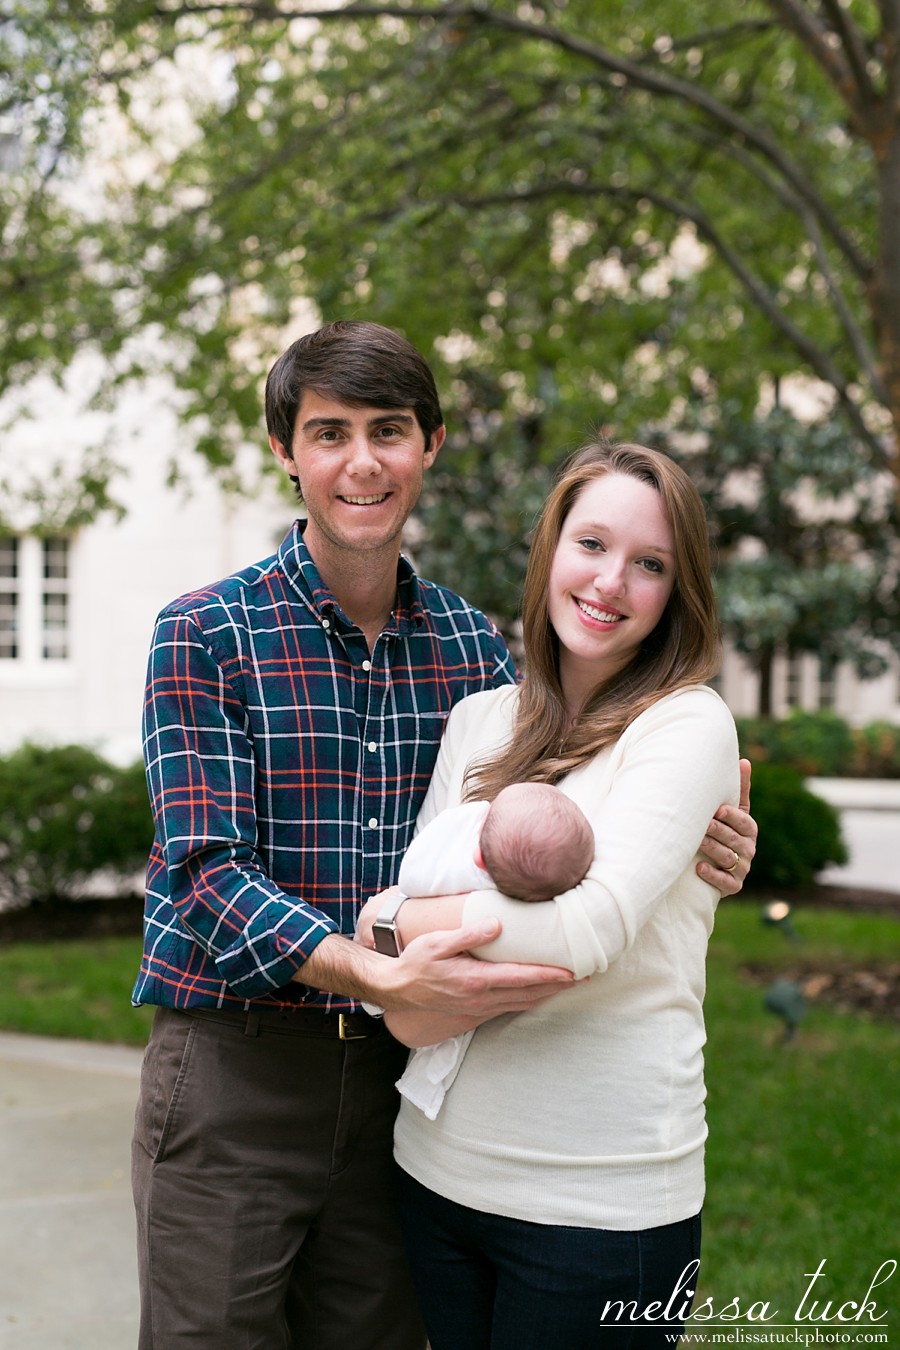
729,844
201,768
434,973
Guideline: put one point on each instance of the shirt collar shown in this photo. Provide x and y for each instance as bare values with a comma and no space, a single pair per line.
302,573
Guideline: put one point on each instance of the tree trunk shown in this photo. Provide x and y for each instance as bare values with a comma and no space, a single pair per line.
884,287
764,669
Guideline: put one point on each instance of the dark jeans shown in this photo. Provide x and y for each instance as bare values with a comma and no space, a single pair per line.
264,1186
486,1282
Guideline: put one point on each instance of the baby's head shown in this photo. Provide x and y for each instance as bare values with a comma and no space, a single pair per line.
535,842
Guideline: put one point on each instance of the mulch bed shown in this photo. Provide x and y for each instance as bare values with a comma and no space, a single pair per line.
873,989
68,920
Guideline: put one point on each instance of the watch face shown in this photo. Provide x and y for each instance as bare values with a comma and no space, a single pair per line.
385,938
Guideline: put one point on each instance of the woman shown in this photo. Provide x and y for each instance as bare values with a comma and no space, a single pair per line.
555,1200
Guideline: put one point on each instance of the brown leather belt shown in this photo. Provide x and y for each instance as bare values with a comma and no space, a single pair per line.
344,1026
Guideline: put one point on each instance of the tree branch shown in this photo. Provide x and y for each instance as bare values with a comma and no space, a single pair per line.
855,335
763,299
845,66
640,76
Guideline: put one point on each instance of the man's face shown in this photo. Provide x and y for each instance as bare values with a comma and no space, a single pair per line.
360,472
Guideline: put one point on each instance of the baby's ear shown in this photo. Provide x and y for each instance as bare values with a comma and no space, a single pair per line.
479,858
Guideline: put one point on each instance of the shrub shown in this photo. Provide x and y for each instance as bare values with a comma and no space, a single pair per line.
877,751
799,833
818,744
66,814
821,744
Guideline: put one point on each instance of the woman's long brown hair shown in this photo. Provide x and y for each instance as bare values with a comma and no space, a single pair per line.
684,648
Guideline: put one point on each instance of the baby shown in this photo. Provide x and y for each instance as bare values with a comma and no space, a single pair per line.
532,843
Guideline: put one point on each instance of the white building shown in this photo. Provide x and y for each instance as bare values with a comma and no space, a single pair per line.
77,608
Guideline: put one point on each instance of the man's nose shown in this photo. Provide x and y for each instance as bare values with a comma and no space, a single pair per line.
363,459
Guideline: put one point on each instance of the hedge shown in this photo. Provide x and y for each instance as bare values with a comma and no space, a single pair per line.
66,816
822,745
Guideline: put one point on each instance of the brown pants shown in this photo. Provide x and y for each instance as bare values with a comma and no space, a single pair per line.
264,1189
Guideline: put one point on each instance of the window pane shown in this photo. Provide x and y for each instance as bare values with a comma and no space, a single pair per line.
56,626
56,558
9,646
9,557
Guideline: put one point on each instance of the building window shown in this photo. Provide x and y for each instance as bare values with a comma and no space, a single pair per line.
35,618
55,600
9,599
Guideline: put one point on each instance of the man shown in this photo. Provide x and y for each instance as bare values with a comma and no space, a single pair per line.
292,721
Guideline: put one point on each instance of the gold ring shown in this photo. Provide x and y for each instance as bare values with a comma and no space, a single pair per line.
737,859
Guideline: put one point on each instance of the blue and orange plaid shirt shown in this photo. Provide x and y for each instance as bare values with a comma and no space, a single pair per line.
286,766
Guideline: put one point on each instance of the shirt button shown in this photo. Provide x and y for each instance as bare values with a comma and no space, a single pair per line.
373,746
326,623
373,824
367,665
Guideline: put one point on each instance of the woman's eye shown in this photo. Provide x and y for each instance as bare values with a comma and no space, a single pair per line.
592,545
653,565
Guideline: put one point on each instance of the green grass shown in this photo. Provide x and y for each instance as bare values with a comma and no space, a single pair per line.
80,989
803,1151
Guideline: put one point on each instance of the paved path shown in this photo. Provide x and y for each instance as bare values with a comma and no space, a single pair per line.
67,1263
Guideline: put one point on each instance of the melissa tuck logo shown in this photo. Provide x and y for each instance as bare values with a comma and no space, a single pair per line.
818,1317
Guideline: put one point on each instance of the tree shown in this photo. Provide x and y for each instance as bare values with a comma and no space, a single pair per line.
593,215
805,535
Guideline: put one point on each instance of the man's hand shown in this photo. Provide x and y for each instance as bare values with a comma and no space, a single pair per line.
435,973
730,842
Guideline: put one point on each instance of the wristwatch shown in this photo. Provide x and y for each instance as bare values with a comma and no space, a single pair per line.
384,930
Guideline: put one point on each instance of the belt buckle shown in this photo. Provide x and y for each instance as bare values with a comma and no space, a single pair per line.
345,1032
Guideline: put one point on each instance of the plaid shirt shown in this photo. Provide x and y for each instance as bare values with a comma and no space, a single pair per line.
286,766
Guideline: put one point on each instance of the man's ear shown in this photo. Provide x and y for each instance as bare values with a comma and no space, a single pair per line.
437,440
283,455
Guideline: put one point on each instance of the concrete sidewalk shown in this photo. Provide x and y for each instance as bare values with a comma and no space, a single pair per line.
67,1253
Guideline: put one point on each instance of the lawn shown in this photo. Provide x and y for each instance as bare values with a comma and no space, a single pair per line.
80,988
804,1146
803,1153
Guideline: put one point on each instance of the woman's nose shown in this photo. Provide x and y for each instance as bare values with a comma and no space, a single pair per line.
610,576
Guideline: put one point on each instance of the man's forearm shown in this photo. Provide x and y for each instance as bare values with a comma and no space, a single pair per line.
340,966
435,973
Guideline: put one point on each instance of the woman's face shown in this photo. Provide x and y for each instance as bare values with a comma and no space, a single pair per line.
610,581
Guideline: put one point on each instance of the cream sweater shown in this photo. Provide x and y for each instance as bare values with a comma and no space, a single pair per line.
589,1111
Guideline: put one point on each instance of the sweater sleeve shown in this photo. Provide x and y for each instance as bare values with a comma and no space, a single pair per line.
649,801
